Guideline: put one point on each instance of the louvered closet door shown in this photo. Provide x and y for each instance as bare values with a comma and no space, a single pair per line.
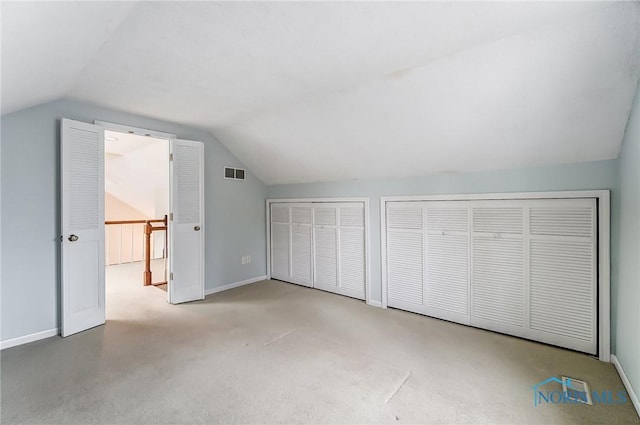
446,289
498,266
325,249
280,241
352,255
563,273
301,245
405,256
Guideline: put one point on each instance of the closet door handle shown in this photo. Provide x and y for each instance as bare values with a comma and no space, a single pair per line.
196,228
73,238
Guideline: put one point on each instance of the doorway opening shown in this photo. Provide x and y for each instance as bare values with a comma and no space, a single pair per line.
136,170
82,213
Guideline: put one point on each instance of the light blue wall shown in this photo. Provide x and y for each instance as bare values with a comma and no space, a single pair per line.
235,223
626,263
591,175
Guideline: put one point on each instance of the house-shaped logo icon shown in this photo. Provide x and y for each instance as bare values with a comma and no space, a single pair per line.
536,392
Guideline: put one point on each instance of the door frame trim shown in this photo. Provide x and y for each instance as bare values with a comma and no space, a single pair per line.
123,128
603,198
367,234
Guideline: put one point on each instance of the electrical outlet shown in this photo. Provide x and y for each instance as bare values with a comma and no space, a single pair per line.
246,259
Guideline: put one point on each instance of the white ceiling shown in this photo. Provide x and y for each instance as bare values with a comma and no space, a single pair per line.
119,144
305,92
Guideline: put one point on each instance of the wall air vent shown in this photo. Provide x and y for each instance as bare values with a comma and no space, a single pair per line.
231,173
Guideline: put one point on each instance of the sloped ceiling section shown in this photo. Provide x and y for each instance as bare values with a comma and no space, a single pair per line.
304,92
46,45
137,172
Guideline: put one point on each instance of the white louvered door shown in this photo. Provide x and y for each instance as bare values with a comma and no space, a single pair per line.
325,247
405,256
186,230
563,272
280,241
320,245
498,266
82,192
446,289
352,254
301,245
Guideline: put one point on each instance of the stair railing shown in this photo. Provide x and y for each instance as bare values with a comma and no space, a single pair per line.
148,229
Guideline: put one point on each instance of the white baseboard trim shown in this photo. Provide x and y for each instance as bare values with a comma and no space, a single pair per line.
234,285
374,303
28,338
625,380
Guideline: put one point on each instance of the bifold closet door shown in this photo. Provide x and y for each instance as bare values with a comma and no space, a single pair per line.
321,245
524,267
428,258
301,245
534,270
280,241
446,283
339,248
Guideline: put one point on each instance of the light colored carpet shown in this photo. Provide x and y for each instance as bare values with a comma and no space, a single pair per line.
273,352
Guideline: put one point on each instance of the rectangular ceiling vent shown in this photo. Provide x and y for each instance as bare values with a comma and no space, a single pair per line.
231,173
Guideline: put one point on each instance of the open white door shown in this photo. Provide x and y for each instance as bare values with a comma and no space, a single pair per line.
82,190
186,229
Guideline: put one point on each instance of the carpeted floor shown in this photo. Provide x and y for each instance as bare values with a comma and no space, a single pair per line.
273,352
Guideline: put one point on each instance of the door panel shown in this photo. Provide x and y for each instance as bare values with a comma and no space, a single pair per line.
352,261
301,244
83,260
563,273
301,254
325,257
405,283
446,285
186,255
280,251
447,282
405,256
498,284
280,242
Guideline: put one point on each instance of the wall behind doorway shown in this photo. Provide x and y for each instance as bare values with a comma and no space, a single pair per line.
234,226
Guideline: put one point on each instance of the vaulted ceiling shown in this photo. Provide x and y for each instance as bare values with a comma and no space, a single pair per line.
320,91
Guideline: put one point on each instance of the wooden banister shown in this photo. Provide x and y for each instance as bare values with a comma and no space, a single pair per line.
155,220
149,228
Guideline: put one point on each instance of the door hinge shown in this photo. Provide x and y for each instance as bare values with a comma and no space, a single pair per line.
171,276
171,217
170,157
